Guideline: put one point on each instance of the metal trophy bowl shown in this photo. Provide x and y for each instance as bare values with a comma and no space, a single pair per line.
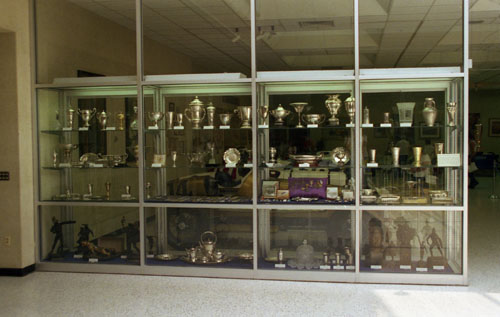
299,107
68,148
245,114
451,108
264,113
155,116
102,117
313,118
86,115
280,114
195,113
350,108
333,104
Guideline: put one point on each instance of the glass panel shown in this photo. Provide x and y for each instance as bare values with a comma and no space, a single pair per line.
308,240
410,33
412,241
412,136
209,36
87,144
311,160
90,234
192,155
199,237
79,38
304,35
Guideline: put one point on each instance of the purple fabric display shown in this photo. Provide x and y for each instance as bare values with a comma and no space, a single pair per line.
308,187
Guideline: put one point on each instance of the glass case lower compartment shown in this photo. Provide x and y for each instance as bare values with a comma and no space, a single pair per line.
108,235
316,240
203,237
399,241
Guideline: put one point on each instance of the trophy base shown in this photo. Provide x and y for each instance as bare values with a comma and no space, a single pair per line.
300,126
333,121
245,126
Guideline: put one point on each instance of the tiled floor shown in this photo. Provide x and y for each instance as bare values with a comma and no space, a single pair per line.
66,294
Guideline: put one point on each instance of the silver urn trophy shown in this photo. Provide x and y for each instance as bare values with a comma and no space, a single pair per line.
195,113
87,115
333,104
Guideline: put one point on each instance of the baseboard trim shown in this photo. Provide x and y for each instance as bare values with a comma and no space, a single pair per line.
17,272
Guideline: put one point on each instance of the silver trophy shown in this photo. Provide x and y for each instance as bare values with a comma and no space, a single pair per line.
429,112
395,155
373,156
133,124
280,114
210,114
120,116
387,117
173,154
264,113
225,118
439,148
107,185
195,113
211,150
148,190
170,119
54,158
155,116
405,111
366,115
68,148
272,154
178,119
102,117
245,114
299,107
333,104
350,107
451,108
86,115
70,115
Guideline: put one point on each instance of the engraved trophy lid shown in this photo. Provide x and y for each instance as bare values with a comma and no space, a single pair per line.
196,102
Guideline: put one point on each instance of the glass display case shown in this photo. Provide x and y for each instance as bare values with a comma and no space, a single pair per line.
88,147
106,235
198,143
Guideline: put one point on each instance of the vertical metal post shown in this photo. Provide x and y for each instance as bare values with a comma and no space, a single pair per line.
254,132
140,130
493,191
465,139
357,132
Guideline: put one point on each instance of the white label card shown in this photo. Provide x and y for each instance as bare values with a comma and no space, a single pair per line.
367,125
153,128
64,165
156,165
405,124
304,165
224,127
438,267
208,127
126,196
376,267
448,160
77,256
231,165
405,267
150,256
93,260
421,269
350,125
371,164
338,267
179,127
67,129
312,125
385,125
83,129
280,265
270,164
248,165
349,267
94,165
110,128
325,267
123,257
263,126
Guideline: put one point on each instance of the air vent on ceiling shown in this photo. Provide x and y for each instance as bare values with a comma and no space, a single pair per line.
476,22
317,24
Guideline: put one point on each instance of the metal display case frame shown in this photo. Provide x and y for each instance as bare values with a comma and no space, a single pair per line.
356,75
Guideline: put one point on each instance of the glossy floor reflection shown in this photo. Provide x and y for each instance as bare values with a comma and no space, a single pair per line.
63,294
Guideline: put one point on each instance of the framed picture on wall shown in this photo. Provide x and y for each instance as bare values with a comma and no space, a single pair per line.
494,128
428,132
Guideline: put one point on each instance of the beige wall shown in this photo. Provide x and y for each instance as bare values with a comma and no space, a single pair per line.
16,210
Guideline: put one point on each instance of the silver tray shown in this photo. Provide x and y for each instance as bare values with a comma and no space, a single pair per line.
166,257
232,156
223,260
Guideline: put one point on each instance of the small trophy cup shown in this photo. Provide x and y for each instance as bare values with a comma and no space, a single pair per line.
350,107
333,104
439,148
264,113
373,155
395,155
86,115
179,116
417,156
70,115
102,117
68,148
173,154
120,116
210,114
299,107
326,258
108,190
387,117
272,154
170,120
225,118
366,115
155,117
451,108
